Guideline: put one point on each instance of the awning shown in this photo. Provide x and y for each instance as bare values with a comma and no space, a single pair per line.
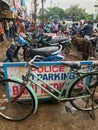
14,11
4,5
5,11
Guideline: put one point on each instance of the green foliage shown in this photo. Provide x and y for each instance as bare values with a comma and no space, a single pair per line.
52,13
73,13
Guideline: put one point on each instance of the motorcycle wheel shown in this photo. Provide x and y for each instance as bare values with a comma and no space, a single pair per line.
26,55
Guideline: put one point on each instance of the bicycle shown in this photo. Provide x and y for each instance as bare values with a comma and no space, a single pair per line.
80,92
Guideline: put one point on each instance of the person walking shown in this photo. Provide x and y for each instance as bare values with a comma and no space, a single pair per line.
22,27
1,33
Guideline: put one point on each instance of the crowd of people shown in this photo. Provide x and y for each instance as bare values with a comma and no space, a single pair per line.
8,28
84,29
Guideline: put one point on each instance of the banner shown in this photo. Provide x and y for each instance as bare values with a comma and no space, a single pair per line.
53,73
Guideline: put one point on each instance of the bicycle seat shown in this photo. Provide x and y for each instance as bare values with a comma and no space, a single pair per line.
72,65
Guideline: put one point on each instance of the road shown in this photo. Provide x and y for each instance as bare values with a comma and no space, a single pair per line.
50,116
53,117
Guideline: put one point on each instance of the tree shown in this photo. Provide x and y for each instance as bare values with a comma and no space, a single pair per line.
76,13
53,13
40,14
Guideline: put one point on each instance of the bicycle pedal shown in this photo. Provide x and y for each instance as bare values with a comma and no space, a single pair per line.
68,110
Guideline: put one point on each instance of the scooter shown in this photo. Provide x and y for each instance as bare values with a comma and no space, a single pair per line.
51,53
44,40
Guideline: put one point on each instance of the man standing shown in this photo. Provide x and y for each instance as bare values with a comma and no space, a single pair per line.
1,33
87,29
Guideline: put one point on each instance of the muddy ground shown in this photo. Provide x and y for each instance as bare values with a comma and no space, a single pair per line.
3,48
50,116
53,117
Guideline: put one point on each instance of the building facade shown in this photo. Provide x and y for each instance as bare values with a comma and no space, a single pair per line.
18,7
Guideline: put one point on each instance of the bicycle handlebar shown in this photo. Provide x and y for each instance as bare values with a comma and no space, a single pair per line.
31,62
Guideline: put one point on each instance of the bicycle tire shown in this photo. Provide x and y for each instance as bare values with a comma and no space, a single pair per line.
84,104
18,107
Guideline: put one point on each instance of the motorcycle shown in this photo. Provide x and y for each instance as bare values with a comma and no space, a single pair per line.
94,41
44,40
51,53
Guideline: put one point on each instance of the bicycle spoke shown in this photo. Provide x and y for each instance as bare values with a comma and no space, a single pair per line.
87,89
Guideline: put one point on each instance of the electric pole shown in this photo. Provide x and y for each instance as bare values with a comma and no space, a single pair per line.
43,10
35,10
96,9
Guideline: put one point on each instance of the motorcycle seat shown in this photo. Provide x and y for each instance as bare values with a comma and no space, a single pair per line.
58,40
91,38
44,51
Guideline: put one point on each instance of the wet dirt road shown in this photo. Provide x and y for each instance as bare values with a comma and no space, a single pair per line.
53,117
50,116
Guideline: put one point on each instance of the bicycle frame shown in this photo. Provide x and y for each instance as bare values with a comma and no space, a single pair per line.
59,92
67,85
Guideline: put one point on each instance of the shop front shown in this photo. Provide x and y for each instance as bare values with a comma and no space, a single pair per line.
5,11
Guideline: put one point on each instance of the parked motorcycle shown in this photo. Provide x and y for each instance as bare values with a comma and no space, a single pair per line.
44,40
51,53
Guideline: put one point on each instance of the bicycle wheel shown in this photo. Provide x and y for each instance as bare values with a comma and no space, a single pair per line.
19,104
85,103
